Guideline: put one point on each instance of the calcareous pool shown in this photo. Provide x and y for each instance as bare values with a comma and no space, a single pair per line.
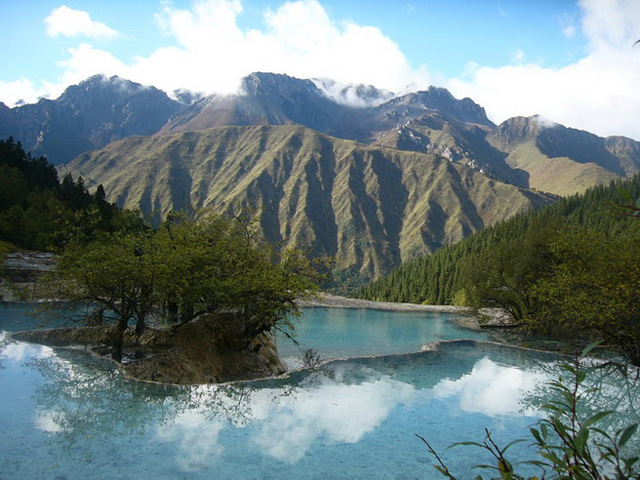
67,415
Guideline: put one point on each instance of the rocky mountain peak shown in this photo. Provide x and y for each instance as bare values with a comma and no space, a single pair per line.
101,84
86,116
263,84
433,100
354,95
441,92
517,130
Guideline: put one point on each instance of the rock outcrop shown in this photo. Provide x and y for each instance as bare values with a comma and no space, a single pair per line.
19,272
210,349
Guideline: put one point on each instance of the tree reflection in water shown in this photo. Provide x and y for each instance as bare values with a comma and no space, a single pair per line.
87,398
92,412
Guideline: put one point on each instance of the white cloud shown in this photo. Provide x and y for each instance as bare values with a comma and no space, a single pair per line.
544,122
518,56
569,31
213,52
610,23
300,39
349,94
68,22
85,60
598,93
568,25
20,91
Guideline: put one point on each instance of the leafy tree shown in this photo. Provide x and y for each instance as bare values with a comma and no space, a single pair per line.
187,268
112,275
592,291
505,275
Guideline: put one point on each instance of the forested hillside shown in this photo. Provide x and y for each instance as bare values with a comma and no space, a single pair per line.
569,271
436,278
39,212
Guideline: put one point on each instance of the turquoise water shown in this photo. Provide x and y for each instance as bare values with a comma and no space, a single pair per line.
67,415
343,332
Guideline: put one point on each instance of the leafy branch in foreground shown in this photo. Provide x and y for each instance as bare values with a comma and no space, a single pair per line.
569,446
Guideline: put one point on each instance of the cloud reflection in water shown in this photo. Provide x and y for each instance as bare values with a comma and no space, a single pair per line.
196,438
285,427
47,421
491,388
336,411
21,351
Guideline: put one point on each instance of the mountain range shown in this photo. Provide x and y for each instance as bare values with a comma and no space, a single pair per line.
367,207
372,181
87,116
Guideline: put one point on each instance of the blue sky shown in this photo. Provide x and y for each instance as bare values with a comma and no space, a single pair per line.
571,61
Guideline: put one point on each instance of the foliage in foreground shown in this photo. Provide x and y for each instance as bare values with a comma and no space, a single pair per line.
186,268
569,444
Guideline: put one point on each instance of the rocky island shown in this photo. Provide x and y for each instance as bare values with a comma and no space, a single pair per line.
210,349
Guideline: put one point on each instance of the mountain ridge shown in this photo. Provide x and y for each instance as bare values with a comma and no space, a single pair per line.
368,207
267,98
87,116
527,152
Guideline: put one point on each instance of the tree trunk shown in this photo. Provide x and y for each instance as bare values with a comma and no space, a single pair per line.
140,326
117,339
172,310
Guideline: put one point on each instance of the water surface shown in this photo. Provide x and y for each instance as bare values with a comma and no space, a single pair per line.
67,415
345,332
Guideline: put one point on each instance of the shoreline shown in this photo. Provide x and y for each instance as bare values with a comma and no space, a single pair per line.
327,300
466,318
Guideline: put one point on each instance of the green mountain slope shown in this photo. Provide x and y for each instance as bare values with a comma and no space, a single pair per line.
563,160
369,208
434,279
523,151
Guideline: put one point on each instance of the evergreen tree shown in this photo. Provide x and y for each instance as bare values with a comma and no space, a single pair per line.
40,213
